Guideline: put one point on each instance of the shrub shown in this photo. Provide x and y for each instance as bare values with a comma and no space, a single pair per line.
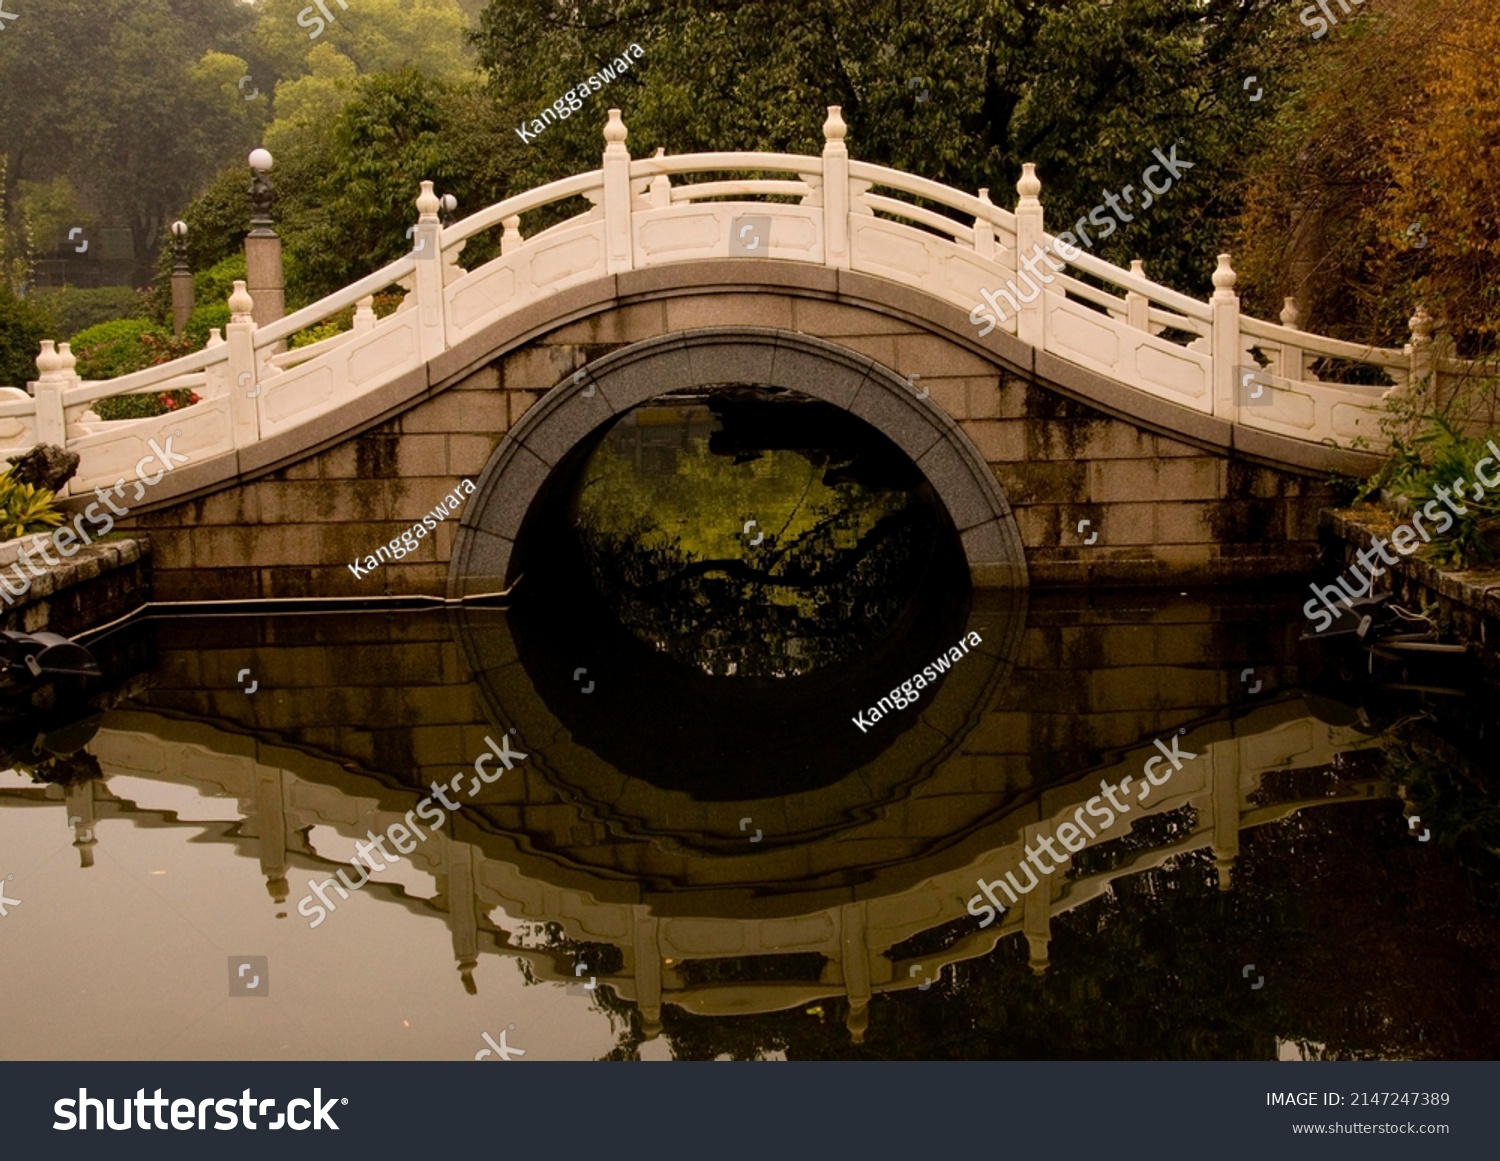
115,348
23,326
206,316
144,405
77,309
1433,453
215,284
316,333
25,508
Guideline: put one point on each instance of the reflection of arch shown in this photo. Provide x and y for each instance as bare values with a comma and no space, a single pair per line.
284,791
927,752
482,553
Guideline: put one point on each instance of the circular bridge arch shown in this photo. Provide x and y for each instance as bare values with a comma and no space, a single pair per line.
619,381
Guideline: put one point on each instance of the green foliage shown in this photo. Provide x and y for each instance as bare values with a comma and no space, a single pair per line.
78,309
1084,88
24,323
25,508
203,319
111,349
399,130
141,406
1426,453
307,336
126,99
385,36
215,284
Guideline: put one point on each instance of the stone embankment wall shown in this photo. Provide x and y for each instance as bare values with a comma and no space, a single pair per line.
1468,602
99,583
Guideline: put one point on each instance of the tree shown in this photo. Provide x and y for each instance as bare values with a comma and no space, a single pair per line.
379,36
1371,192
123,98
1084,89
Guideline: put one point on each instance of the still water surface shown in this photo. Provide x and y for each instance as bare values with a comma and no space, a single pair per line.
214,808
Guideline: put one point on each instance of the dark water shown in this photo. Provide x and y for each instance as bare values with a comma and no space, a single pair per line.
738,868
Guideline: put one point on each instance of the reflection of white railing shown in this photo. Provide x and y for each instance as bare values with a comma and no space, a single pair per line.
822,210
284,793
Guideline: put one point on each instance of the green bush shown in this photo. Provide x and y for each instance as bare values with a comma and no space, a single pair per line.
77,309
122,347
141,406
1428,454
215,284
115,348
23,326
307,336
205,317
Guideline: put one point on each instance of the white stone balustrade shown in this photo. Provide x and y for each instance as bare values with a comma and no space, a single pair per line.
251,388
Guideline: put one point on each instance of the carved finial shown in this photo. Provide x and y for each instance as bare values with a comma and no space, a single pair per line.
1030,185
614,130
66,359
48,362
1138,268
1420,323
215,339
1291,316
240,304
834,128
428,203
1224,276
984,196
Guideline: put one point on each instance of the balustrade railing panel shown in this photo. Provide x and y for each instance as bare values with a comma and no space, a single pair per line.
827,210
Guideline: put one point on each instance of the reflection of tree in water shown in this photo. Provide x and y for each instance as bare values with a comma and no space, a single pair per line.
1371,947
848,526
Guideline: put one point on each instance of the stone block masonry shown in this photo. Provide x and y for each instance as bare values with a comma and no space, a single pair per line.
1164,507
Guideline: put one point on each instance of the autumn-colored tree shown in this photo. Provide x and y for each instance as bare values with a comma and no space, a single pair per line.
1373,192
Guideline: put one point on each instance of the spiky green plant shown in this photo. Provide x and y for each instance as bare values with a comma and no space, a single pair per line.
25,508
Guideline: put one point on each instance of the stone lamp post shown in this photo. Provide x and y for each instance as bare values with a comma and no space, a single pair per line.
263,273
182,279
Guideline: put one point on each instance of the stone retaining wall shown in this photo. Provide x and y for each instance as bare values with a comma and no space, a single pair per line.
99,583
1467,601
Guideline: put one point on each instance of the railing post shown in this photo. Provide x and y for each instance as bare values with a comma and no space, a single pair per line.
1422,352
364,315
1029,233
1137,305
617,242
244,411
51,426
661,188
1226,341
984,230
835,190
427,245
511,239
1292,358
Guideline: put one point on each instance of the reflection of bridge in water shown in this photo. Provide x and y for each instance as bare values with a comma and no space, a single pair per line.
285,791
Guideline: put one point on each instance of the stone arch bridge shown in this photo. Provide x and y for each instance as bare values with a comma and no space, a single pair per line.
1108,398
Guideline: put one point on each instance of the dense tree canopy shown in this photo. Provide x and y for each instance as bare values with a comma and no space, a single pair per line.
1340,167
960,92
